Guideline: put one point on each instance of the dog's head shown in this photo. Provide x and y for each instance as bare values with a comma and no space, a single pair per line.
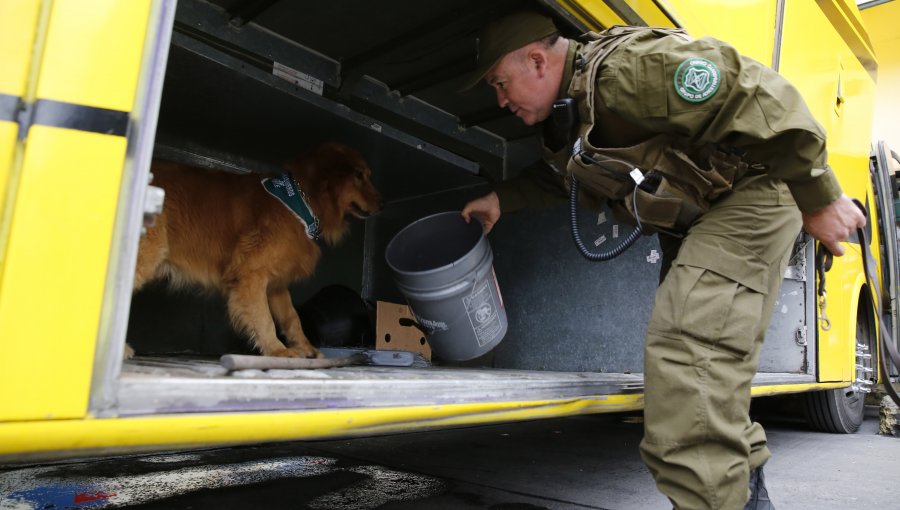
337,180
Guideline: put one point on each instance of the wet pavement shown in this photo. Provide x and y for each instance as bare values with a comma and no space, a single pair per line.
569,463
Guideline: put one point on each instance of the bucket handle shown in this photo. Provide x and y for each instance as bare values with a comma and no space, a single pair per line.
409,323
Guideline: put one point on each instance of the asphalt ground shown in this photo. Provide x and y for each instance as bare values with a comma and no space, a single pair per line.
567,463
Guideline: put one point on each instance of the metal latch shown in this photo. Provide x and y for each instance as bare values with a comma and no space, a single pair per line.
800,336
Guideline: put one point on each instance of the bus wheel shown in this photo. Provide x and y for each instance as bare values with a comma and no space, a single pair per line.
841,410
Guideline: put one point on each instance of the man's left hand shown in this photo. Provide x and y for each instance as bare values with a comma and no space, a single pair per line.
834,223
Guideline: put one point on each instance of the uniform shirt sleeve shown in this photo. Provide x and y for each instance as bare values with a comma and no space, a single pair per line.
754,110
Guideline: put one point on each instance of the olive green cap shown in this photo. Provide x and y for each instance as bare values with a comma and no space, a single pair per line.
504,35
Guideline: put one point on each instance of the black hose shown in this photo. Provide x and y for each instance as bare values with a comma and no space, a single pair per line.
576,234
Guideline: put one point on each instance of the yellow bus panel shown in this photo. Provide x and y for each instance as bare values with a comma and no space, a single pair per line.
109,34
18,32
62,226
749,25
18,28
881,22
8,132
839,92
196,430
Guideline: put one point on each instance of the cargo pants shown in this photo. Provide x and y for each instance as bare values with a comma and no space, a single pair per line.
703,342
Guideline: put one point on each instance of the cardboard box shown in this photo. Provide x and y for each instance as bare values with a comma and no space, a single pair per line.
393,336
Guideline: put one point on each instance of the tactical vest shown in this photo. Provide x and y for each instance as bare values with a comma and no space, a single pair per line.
679,179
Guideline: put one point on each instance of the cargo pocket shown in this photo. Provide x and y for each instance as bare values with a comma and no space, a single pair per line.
705,174
609,178
667,207
724,295
654,209
724,170
738,337
715,310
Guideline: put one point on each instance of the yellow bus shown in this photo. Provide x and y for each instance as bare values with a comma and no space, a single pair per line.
90,92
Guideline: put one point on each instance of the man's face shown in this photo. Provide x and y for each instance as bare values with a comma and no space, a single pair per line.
523,85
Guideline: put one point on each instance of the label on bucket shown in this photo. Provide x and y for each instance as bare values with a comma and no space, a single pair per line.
481,308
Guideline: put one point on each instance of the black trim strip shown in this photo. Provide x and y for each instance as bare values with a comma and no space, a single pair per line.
83,118
9,107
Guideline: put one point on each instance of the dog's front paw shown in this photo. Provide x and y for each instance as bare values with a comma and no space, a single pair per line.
299,352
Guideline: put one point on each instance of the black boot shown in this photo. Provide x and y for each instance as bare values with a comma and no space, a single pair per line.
759,496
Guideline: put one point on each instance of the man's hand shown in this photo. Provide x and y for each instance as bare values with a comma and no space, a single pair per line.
834,223
486,209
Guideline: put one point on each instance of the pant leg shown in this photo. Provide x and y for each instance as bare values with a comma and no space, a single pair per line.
703,343
754,434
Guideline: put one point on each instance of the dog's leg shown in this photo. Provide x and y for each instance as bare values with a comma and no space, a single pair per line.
286,316
248,308
152,251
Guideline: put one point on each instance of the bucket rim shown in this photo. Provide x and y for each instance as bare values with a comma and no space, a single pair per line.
436,269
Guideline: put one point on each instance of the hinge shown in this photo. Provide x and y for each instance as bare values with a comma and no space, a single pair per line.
153,205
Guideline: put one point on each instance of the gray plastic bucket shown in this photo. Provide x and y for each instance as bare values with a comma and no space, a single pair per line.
443,266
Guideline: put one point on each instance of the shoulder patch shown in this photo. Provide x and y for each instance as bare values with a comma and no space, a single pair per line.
697,79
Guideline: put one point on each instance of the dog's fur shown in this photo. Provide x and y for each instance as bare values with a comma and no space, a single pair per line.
225,232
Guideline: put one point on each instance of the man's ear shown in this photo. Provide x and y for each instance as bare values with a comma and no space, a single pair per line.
537,58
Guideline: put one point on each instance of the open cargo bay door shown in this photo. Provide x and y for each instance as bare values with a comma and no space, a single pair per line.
247,87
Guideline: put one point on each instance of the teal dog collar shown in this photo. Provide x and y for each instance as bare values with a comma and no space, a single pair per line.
288,192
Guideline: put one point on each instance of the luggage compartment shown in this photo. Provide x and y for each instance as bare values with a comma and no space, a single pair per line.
250,84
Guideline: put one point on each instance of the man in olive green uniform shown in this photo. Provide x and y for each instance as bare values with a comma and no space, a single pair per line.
735,163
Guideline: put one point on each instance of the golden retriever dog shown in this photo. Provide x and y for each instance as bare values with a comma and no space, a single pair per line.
232,233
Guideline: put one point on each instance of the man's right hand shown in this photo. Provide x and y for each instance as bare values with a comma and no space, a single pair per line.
486,209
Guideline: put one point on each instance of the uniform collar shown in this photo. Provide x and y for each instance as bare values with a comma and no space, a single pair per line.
573,55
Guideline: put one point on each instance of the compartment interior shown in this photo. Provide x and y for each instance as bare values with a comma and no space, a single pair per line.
383,77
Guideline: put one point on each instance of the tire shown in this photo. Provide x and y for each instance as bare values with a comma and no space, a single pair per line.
841,411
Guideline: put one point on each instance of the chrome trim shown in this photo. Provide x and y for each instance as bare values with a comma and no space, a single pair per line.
130,214
152,385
